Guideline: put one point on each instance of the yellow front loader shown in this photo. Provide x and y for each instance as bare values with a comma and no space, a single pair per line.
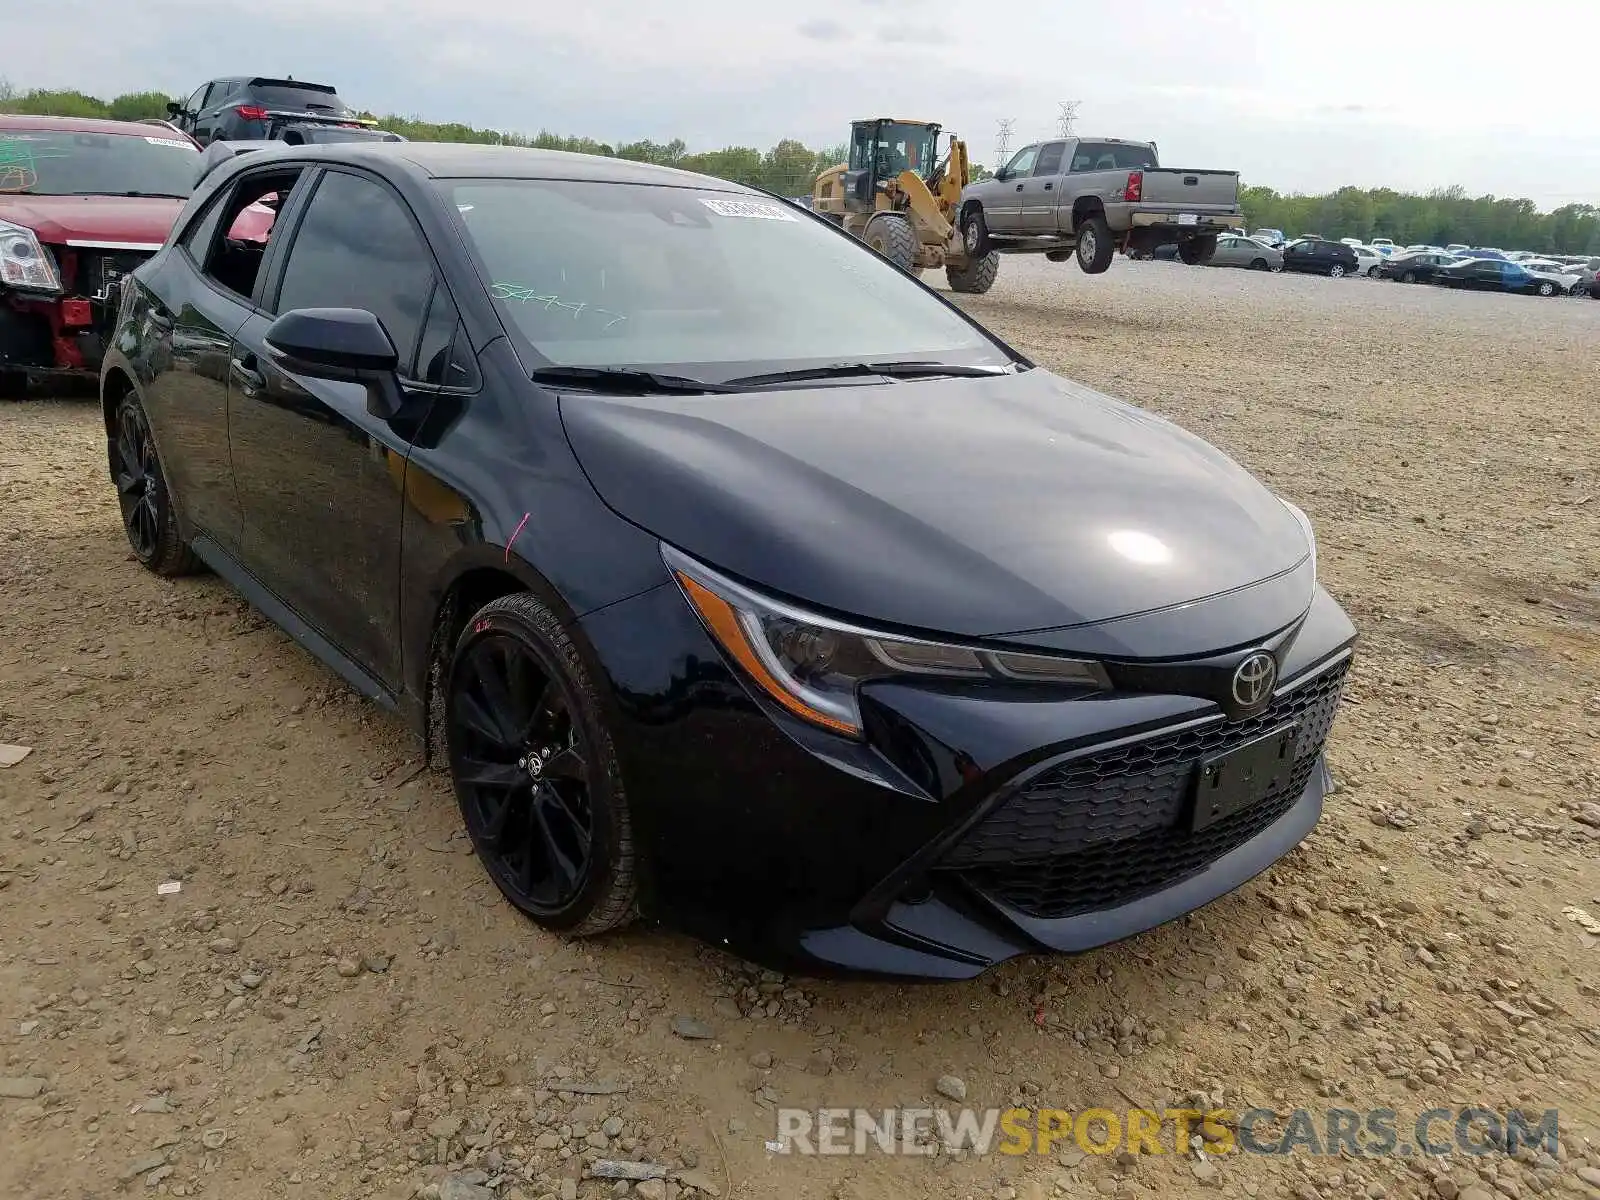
900,198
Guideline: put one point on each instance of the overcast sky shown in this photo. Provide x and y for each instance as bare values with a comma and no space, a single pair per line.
1297,94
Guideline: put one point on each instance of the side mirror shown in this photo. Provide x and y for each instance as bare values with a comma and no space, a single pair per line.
347,344
174,109
1003,174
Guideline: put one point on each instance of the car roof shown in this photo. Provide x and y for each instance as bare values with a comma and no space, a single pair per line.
452,160
14,122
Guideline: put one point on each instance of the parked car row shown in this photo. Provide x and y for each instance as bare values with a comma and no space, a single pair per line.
1530,275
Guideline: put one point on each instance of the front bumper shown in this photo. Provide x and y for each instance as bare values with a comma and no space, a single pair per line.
978,822
66,334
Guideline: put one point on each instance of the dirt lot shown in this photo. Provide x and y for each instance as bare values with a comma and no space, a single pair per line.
336,1004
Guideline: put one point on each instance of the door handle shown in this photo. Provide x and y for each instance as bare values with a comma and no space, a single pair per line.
1019,187
244,370
1049,185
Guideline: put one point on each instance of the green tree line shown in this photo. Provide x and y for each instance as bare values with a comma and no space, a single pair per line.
1440,217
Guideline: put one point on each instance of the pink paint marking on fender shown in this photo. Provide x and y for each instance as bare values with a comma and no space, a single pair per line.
514,534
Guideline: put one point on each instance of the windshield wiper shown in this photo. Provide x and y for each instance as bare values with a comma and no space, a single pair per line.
628,380
904,369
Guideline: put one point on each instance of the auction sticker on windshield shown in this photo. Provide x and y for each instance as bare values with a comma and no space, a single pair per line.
748,208
159,141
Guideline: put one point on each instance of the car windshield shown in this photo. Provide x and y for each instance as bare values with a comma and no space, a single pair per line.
728,284
42,162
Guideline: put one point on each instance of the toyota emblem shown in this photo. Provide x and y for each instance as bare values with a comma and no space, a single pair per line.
1253,679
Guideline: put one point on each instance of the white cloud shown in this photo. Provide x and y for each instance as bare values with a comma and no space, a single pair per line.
1416,94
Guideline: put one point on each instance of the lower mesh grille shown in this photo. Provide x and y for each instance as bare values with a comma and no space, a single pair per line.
1109,826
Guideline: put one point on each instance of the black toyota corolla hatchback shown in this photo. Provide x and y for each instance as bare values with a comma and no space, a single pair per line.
742,581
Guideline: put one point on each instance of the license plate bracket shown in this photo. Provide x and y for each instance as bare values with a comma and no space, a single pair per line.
1243,777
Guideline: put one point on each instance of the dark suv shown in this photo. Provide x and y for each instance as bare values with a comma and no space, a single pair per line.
246,109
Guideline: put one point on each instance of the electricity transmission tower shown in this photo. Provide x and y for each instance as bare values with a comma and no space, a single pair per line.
1067,117
1002,141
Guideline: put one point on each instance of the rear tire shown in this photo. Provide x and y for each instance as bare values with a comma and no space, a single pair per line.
149,516
1336,271
13,385
1547,288
1372,272
976,277
1259,264
1198,250
1408,277
1095,246
893,237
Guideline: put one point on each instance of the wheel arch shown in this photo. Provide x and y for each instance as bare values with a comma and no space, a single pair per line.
115,385
477,576
1085,207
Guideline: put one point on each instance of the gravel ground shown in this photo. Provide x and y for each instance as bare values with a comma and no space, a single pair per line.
336,1003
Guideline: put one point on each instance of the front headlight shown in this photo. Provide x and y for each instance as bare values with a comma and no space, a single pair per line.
1305,524
813,665
24,263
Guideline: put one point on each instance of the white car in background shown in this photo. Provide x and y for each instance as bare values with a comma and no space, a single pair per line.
1384,246
1368,260
1566,279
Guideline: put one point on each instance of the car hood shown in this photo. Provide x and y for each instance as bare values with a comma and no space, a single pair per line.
130,220
975,507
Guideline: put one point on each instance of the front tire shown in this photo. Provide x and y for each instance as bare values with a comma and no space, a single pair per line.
1259,264
1546,288
13,385
535,772
976,277
975,233
1372,272
1095,246
1408,277
893,237
149,516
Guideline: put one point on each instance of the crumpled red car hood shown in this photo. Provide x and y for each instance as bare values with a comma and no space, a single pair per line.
121,220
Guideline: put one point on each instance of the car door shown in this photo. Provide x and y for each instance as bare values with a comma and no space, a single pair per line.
1039,190
208,116
1236,252
185,120
197,300
320,478
1484,275
1004,214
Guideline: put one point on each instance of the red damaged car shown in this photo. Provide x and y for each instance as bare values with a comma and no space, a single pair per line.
82,203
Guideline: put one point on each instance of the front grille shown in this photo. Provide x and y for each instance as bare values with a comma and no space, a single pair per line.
1110,825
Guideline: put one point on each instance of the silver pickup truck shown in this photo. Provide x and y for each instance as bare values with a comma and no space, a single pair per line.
1086,196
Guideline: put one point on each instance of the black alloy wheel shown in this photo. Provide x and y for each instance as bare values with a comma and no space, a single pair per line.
148,517
534,772
138,480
